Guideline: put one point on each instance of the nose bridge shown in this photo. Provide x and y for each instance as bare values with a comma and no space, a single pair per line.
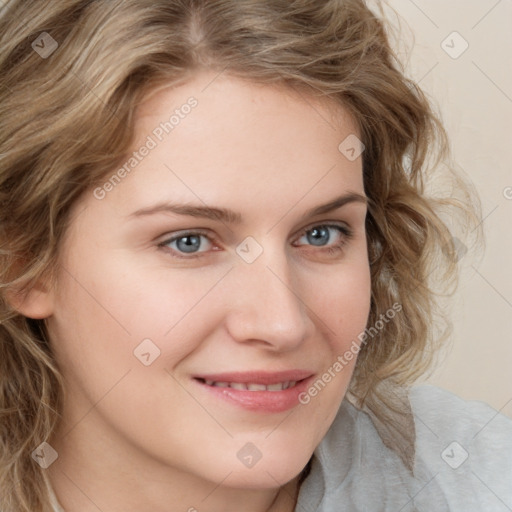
267,307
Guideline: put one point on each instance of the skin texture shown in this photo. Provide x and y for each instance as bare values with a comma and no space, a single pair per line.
136,437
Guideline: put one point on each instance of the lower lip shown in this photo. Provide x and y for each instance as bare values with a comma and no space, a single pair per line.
260,401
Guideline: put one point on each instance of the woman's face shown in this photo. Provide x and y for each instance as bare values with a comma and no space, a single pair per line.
203,291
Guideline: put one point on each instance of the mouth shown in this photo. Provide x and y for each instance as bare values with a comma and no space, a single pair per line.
262,392
250,386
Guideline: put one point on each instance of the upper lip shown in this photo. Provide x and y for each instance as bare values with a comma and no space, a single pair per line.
257,377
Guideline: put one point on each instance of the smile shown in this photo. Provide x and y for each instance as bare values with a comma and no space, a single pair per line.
249,386
257,391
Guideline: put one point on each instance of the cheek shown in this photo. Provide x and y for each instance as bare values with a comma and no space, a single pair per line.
109,307
342,302
343,308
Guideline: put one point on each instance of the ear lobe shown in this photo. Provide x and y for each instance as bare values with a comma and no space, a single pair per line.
37,302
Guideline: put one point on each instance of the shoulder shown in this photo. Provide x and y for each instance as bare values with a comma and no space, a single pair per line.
443,407
462,460
466,446
442,416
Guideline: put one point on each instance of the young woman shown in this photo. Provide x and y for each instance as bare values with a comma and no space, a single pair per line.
217,257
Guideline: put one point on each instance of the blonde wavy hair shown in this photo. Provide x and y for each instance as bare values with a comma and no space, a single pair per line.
67,120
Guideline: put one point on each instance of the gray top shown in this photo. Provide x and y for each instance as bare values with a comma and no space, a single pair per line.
462,461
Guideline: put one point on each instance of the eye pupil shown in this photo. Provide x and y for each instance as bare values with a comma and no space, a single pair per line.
318,236
188,243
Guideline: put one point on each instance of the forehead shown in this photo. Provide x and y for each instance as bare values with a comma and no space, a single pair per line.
223,139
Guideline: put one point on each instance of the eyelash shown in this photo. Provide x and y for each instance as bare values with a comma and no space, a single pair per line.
345,232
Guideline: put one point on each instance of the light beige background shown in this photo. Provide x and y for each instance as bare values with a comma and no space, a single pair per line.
474,95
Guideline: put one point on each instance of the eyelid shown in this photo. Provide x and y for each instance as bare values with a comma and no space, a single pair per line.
187,232
183,232
342,226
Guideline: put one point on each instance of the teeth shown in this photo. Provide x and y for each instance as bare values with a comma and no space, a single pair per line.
279,386
238,385
255,387
276,387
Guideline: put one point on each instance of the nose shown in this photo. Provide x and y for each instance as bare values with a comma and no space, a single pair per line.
266,307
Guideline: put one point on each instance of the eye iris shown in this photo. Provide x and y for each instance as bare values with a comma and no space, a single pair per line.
318,236
188,243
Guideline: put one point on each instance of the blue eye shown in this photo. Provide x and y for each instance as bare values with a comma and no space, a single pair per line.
328,238
326,235
188,243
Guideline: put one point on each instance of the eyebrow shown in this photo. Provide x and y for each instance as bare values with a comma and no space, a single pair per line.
231,217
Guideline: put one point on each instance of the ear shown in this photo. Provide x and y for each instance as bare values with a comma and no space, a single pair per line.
37,302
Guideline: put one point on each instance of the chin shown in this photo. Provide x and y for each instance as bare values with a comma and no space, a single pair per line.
260,480
274,473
